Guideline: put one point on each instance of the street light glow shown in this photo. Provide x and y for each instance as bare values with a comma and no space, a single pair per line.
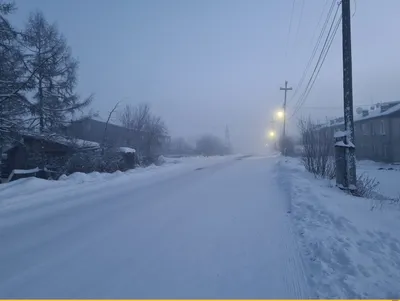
271,134
280,114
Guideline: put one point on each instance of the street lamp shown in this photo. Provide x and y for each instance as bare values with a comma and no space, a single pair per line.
280,114
271,134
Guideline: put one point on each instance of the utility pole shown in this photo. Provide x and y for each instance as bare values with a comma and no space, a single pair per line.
350,177
284,108
228,144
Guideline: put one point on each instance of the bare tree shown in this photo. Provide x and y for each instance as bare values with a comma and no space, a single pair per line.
147,131
135,117
318,149
55,75
106,126
155,133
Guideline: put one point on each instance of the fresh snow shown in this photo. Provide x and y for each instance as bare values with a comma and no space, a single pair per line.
32,192
351,251
342,144
340,134
25,171
388,176
62,140
127,150
198,229
374,113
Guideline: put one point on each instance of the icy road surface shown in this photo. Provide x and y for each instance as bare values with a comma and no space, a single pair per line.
221,231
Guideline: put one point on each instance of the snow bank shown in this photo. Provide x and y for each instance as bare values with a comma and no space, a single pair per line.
28,193
351,252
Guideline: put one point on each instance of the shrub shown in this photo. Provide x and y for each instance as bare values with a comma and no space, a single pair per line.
317,156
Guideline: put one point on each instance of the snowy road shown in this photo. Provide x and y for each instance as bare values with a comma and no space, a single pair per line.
216,232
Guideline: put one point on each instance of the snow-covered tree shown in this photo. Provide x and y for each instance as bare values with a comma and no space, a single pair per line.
14,78
55,74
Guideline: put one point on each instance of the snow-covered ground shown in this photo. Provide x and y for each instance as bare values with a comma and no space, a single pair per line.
350,251
388,176
33,192
218,227
203,228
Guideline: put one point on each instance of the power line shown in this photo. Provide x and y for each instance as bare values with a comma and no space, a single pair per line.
320,19
290,27
314,50
311,83
321,59
300,19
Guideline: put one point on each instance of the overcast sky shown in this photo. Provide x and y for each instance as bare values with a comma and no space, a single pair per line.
205,64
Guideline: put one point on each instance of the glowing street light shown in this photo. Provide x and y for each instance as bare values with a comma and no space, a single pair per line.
280,114
271,134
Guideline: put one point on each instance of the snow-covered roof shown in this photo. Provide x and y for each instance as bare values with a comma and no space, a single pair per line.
127,150
377,111
374,112
67,141
84,143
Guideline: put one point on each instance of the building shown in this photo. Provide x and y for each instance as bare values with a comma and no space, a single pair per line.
41,152
376,130
93,129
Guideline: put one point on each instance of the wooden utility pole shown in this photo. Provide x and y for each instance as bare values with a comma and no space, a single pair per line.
284,108
350,177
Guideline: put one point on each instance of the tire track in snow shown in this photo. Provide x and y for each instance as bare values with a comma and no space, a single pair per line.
301,270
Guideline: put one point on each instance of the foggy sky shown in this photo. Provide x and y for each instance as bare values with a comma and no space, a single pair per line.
205,64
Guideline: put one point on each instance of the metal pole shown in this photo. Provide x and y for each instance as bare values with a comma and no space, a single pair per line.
348,95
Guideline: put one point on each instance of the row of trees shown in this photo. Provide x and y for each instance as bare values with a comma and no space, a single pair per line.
206,145
38,76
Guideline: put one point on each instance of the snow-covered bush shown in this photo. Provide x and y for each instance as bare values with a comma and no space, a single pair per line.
366,186
317,156
160,160
106,160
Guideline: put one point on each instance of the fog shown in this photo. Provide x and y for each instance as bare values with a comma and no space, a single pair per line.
204,65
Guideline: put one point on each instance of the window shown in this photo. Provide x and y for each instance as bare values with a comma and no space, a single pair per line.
382,128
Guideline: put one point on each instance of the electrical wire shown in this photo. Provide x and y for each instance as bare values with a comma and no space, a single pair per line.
322,62
300,19
321,59
314,50
290,27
